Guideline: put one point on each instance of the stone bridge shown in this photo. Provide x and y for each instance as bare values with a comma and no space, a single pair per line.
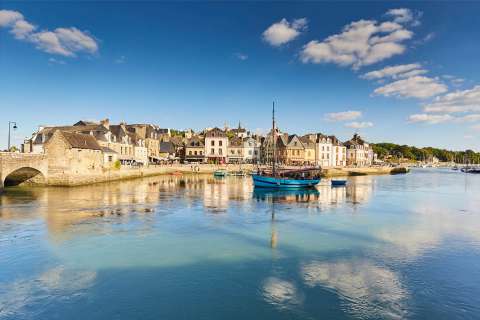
18,168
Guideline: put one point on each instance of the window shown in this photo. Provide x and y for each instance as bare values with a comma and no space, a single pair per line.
212,151
212,143
189,153
239,151
220,142
232,151
220,151
201,152
250,152
195,153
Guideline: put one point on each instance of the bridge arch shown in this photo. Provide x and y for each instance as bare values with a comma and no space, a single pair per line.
24,175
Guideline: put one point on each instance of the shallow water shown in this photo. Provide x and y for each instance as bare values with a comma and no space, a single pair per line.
196,247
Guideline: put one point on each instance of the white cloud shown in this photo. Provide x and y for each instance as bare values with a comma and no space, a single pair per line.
62,41
414,87
241,56
404,15
360,43
21,29
441,118
359,125
458,101
343,116
394,72
283,31
8,17
429,118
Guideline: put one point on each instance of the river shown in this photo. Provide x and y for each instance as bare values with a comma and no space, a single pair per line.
198,247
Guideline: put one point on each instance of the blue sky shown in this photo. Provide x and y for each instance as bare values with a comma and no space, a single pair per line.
400,72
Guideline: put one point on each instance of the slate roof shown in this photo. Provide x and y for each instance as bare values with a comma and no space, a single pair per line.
167,147
81,141
216,132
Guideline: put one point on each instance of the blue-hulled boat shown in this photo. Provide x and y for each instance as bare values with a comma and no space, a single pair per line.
339,183
287,179
266,181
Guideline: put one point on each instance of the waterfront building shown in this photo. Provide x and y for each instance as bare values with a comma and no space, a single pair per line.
71,154
150,134
359,152
251,150
235,150
310,149
120,142
339,153
323,147
194,150
293,150
167,150
140,151
216,146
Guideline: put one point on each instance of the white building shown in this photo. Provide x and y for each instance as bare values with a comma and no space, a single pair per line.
339,153
359,152
251,150
216,146
323,151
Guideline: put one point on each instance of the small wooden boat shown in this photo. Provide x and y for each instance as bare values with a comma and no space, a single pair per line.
339,183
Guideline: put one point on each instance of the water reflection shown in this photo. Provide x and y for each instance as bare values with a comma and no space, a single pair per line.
56,283
367,290
354,251
67,210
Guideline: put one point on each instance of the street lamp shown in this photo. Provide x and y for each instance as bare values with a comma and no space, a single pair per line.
14,128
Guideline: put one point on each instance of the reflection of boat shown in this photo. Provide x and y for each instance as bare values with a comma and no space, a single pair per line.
282,195
339,183
238,174
220,173
291,179
471,170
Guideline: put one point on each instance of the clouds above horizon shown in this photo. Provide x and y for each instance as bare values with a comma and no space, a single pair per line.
395,72
360,43
67,42
456,102
343,116
359,125
283,31
420,87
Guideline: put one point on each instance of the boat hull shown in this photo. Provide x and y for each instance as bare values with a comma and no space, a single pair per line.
279,183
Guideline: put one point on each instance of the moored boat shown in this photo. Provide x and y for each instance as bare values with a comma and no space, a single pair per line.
338,183
286,179
220,173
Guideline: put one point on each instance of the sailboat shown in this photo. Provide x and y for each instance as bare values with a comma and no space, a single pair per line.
285,179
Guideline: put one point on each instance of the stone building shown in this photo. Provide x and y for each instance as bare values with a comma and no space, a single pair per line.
73,154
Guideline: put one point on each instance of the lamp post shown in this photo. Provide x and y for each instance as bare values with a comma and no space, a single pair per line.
9,127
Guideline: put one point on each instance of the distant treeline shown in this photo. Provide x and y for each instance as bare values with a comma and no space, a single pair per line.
387,150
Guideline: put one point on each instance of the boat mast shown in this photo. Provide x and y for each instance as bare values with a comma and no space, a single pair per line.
274,140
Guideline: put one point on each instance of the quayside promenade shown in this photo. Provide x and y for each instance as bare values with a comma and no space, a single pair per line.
21,168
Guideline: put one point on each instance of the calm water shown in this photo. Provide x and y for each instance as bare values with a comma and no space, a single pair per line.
386,247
